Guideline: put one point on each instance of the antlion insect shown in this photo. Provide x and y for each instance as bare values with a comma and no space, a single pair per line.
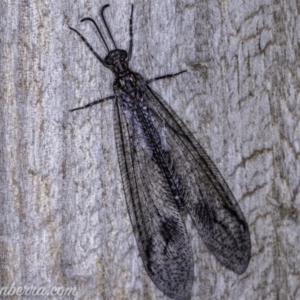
165,172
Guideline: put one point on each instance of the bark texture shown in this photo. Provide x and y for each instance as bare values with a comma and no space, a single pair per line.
63,217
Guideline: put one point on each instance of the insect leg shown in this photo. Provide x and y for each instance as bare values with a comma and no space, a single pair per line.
165,76
93,103
130,35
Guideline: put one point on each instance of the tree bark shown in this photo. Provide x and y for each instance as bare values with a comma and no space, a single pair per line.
63,218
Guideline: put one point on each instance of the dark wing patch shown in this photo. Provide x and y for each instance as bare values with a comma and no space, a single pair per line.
208,199
159,230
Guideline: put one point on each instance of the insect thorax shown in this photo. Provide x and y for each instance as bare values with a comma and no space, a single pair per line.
130,86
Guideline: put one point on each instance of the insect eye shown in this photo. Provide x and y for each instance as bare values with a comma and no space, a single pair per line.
108,60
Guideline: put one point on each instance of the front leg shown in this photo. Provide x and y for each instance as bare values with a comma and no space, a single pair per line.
93,103
165,76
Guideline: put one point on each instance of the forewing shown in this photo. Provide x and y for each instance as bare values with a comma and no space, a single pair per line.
159,230
208,199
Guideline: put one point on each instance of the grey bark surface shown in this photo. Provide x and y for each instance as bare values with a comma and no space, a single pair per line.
63,217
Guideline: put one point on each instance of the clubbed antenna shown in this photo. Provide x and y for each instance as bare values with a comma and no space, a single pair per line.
102,15
90,19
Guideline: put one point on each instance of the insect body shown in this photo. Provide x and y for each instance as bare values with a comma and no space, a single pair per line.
164,172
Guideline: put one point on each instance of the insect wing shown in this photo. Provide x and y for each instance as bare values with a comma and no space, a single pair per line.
158,227
208,199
